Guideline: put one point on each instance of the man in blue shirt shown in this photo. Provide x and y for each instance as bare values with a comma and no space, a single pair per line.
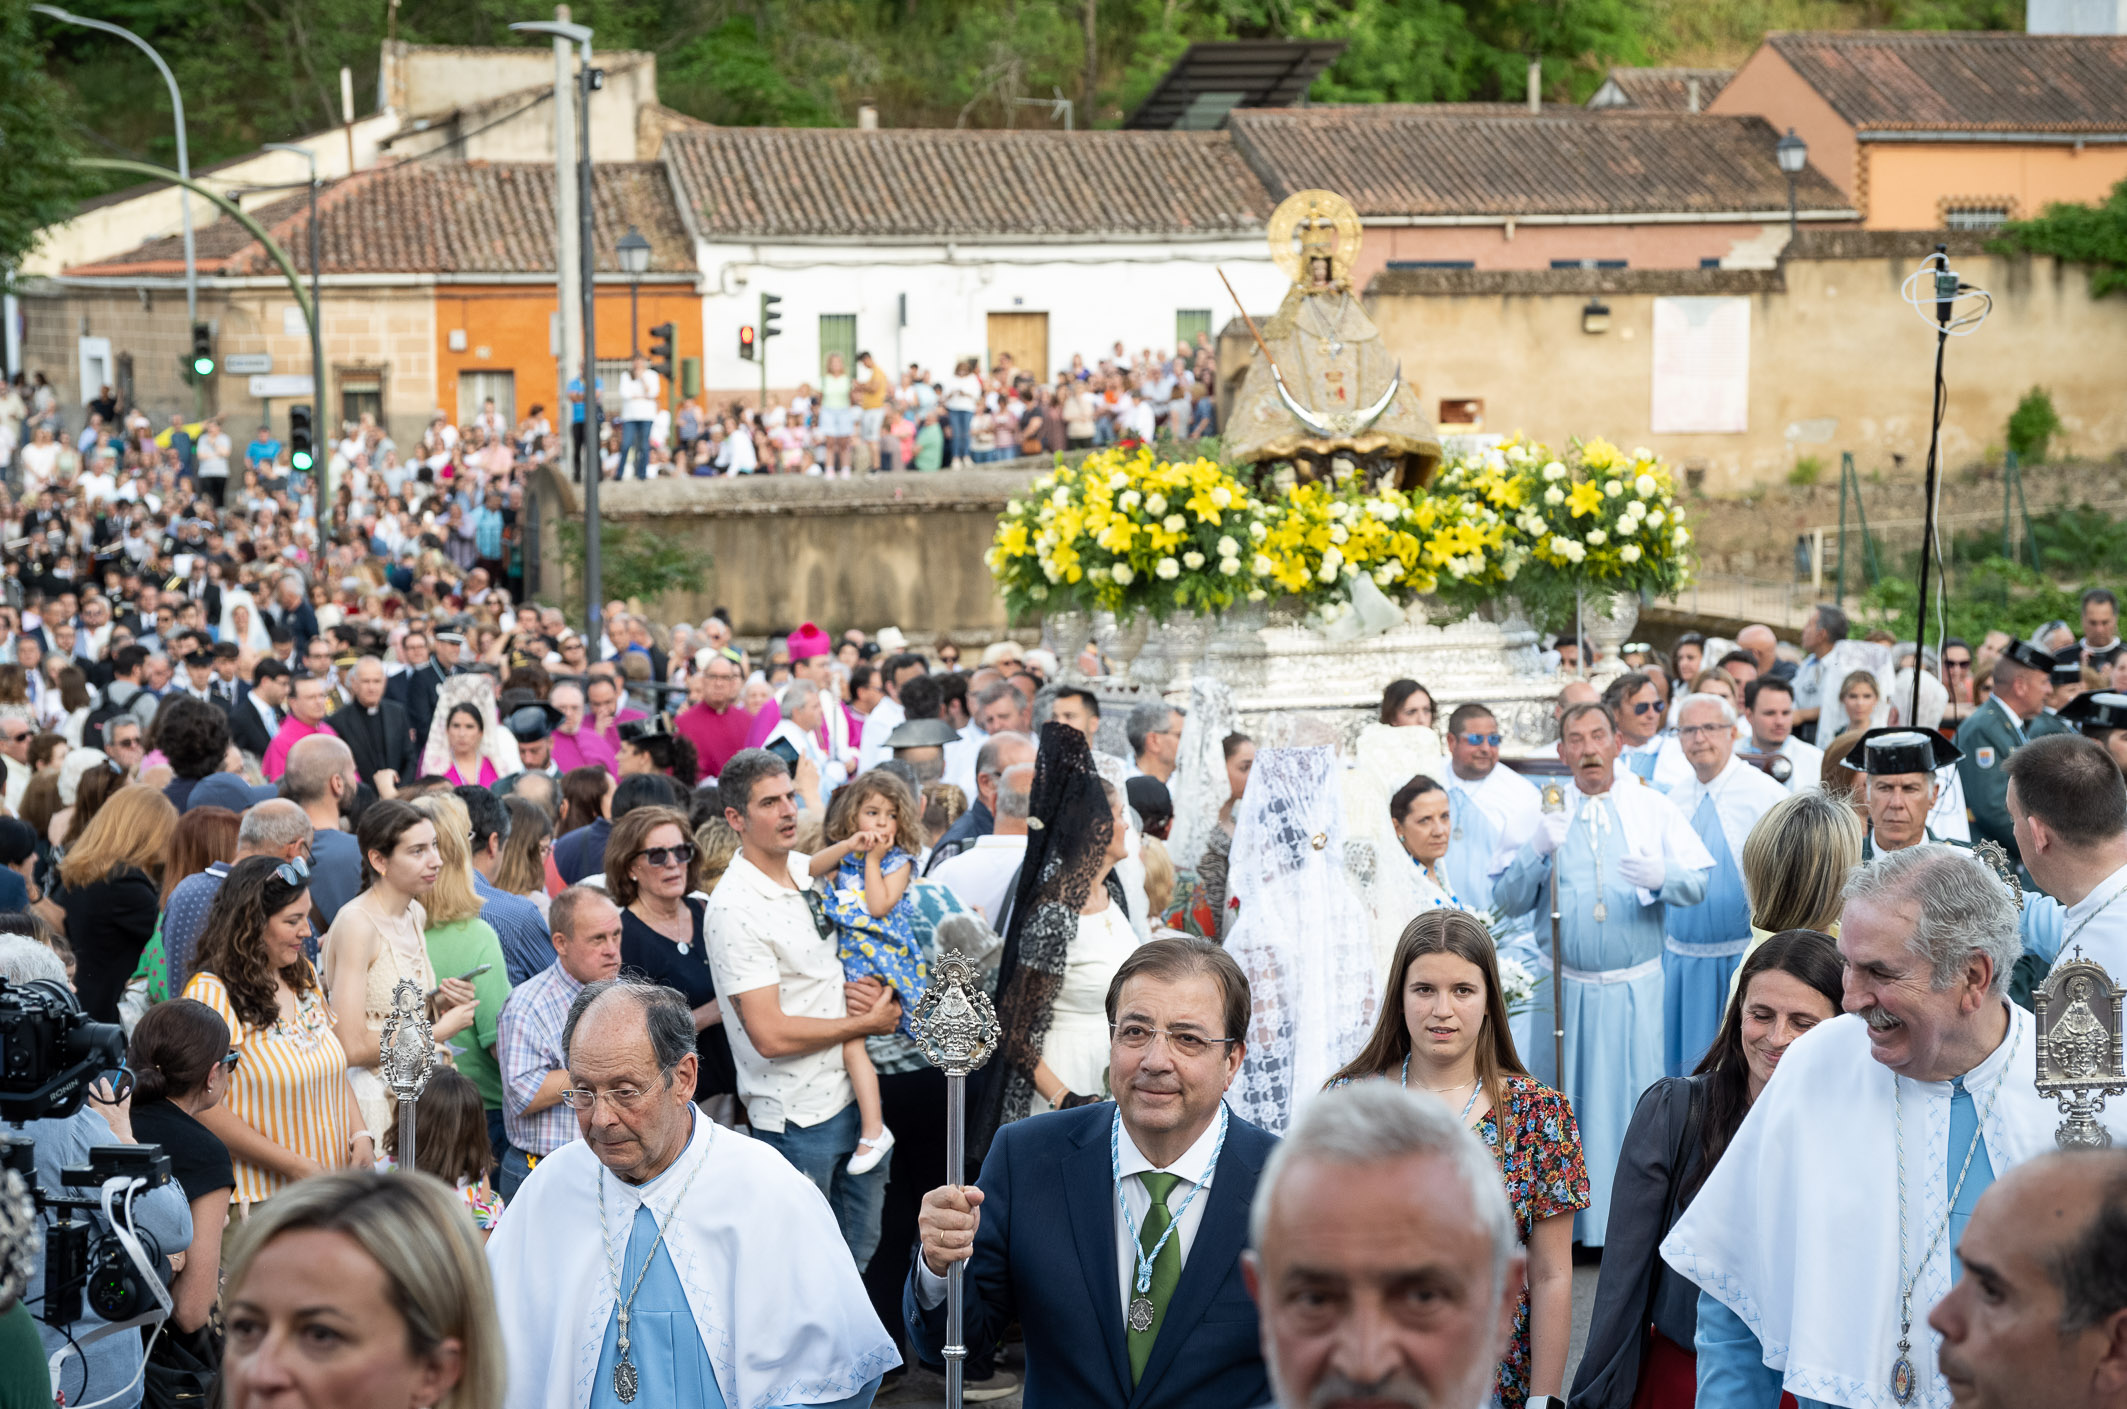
576,424
263,450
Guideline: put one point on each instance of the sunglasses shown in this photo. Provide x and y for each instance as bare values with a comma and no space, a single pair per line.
230,1059
293,872
1952,663
1480,740
1646,706
660,856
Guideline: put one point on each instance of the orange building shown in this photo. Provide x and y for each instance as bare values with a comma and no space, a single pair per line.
1960,130
438,294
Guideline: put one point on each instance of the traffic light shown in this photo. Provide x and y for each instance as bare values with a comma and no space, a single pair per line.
769,316
746,349
661,338
202,362
299,444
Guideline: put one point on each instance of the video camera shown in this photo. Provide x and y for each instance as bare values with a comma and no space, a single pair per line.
50,1052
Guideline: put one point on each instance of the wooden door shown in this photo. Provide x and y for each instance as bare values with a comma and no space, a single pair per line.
1026,337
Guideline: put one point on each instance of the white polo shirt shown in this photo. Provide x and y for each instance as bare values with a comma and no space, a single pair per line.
761,934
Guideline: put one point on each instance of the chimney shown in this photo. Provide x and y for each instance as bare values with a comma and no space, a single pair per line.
1536,85
1691,95
867,118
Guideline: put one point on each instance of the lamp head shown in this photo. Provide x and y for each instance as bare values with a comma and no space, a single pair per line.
1791,152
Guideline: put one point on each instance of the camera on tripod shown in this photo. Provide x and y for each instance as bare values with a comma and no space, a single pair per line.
50,1052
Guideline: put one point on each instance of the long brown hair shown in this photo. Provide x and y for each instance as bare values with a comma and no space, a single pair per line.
1463,935
450,1139
204,836
232,944
133,829
522,869
908,822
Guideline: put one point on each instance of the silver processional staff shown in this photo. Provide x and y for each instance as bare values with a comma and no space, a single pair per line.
406,1054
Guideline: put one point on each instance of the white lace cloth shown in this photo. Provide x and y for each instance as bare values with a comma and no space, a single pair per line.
1300,935
497,745
1380,871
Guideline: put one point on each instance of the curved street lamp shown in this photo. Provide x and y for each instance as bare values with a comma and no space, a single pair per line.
634,252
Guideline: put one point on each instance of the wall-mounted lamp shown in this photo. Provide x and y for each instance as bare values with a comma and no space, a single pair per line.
1595,316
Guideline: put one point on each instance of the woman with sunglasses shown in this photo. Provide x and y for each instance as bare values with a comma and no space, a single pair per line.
182,1064
653,873
1957,679
287,1112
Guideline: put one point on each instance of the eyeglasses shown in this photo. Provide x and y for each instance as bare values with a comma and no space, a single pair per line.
1700,731
621,1098
681,855
14,738
229,1060
1646,706
1136,1037
1480,740
294,872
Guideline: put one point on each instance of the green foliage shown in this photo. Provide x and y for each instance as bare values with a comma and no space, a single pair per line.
634,563
1995,595
729,76
2095,235
2032,425
38,184
1806,471
2080,543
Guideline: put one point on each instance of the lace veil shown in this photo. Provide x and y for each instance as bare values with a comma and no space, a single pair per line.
497,745
1300,935
1381,872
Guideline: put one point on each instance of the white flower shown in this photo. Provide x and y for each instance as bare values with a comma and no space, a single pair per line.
1338,533
1642,453
1562,546
1385,574
1129,501
1117,479
1174,523
1681,536
1613,489
1331,558
1230,566
1554,471
1156,505
1061,498
1654,520
1576,552
1168,569
1532,523
1630,553
1049,571
1123,576
1013,508
1263,565
1257,531
1257,594
1679,515
1222,496
1192,560
1645,486
1227,547
1597,538
1554,496
1328,572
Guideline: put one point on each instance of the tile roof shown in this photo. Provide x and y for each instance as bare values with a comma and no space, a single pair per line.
942,184
1416,160
433,218
1965,82
1665,89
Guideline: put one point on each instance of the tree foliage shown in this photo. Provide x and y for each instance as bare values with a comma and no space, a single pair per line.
2095,235
38,184
635,564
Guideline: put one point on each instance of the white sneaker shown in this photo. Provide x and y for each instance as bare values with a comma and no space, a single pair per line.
870,1152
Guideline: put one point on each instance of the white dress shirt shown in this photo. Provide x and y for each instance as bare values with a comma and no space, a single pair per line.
981,876
1196,1171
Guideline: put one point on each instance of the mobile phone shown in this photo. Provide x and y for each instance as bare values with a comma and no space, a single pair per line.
785,750
467,977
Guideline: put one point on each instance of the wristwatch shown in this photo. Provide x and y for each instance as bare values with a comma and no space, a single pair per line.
1546,1401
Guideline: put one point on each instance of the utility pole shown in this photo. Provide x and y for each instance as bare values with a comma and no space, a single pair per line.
568,259
320,474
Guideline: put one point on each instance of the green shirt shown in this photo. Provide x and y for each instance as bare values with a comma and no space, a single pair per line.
458,948
930,447
24,1383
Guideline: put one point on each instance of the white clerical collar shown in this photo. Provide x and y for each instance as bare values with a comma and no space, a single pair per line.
2101,894
1194,1166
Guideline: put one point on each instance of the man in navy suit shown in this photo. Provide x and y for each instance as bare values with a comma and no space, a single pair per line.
1113,1232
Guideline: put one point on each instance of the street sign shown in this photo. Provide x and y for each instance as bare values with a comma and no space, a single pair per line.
284,384
247,364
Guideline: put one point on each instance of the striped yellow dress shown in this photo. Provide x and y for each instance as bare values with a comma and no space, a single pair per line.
290,1085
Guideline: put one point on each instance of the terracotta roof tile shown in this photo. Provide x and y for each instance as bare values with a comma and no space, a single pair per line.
1965,82
1415,160
942,184
436,218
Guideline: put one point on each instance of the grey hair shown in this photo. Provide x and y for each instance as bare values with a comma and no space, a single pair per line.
991,694
796,695
1146,720
1373,1122
271,825
1728,711
1015,802
24,960
987,758
1965,908
666,1016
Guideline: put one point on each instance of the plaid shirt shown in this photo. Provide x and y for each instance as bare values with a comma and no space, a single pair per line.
528,1042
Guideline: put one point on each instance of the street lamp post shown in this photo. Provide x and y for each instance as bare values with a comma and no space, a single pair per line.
319,485
184,159
1793,154
587,79
634,253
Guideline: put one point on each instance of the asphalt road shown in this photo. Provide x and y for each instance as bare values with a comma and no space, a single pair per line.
924,1390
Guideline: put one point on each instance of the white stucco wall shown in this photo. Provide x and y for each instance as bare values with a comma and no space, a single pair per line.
1093,294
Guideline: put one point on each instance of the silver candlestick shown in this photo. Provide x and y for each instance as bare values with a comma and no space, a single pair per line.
2079,1051
406,1054
956,1028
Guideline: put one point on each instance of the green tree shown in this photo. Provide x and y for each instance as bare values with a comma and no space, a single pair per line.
2032,426
635,563
39,185
2079,234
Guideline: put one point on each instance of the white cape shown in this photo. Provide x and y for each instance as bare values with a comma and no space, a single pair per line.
1796,1230
775,1295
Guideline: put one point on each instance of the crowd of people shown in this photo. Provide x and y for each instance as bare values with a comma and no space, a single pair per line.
1308,1107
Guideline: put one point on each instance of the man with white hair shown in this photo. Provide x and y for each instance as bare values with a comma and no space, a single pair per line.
1378,1200
1702,944
1831,1223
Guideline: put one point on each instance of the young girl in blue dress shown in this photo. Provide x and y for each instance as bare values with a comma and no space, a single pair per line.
874,833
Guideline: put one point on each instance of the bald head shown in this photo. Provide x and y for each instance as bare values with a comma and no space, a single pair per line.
1763,646
1576,692
366,682
314,765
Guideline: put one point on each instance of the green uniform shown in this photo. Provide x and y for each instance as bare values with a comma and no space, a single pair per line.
1987,738
2047,723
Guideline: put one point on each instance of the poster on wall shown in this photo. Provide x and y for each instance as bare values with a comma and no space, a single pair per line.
1701,366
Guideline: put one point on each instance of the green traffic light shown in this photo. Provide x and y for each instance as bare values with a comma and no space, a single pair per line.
203,366
301,459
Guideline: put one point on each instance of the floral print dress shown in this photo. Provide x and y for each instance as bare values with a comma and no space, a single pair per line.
878,946
1546,1175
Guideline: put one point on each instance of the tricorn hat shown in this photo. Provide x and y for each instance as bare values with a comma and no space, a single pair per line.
532,721
2029,657
1896,749
922,734
2068,665
2100,709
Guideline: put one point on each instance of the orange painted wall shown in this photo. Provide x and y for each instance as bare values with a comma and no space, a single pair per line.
1768,86
507,330
1908,184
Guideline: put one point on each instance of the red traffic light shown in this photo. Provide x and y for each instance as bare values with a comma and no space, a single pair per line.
746,341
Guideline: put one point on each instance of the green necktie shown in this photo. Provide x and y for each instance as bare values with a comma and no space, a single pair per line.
1166,1268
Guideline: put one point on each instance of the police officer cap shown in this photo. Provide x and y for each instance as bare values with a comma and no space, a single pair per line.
1895,750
